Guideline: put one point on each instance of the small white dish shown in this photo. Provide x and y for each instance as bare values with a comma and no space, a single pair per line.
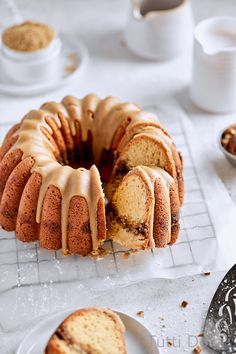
138,339
228,155
26,67
214,65
160,30
73,60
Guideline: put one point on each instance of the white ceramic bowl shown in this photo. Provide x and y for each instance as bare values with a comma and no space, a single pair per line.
228,155
39,66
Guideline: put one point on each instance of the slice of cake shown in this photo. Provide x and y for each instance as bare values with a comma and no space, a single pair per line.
89,331
144,210
150,146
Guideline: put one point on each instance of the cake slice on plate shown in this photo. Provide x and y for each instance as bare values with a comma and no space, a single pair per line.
91,330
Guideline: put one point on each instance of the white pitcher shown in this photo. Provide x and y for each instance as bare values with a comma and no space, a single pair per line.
160,29
214,67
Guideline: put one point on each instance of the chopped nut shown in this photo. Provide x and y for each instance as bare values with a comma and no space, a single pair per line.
228,139
232,131
140,313
227,136
231,147
224,141
197,350
200,335
184,304
169,343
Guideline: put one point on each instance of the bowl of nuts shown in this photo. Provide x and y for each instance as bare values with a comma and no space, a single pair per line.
227,143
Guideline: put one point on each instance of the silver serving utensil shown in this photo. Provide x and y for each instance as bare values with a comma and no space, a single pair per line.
220,324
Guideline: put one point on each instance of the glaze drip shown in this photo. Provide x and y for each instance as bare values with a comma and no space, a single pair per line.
101,118
150,175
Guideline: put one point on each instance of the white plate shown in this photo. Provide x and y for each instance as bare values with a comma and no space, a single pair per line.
138,339
74,58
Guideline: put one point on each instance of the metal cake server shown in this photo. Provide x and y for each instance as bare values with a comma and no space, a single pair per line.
220,324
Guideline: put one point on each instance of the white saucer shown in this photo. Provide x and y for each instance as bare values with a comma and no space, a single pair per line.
74,58
138,339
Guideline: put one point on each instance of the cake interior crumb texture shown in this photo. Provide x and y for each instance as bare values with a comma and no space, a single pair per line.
89,331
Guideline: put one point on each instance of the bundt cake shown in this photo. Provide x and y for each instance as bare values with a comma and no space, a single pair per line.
51,191
89,330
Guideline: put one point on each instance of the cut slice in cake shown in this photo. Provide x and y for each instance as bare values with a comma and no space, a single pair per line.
89,331
147,145
144,210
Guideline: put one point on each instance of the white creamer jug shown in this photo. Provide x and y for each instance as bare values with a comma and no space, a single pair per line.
159,29
214,65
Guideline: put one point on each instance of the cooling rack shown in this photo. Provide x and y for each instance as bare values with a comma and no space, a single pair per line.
24,265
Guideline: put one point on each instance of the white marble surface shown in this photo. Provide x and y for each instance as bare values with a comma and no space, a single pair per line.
113,70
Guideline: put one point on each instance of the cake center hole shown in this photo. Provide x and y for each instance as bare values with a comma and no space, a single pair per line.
82,156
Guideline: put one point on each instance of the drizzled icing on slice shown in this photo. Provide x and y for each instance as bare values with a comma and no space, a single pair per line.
71,182
150,174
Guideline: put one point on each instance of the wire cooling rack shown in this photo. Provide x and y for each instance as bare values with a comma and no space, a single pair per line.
26,264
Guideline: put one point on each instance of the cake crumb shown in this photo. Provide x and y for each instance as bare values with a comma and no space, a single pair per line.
207,273
184,304
126,255
101,252
169,343
197,350
140,313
